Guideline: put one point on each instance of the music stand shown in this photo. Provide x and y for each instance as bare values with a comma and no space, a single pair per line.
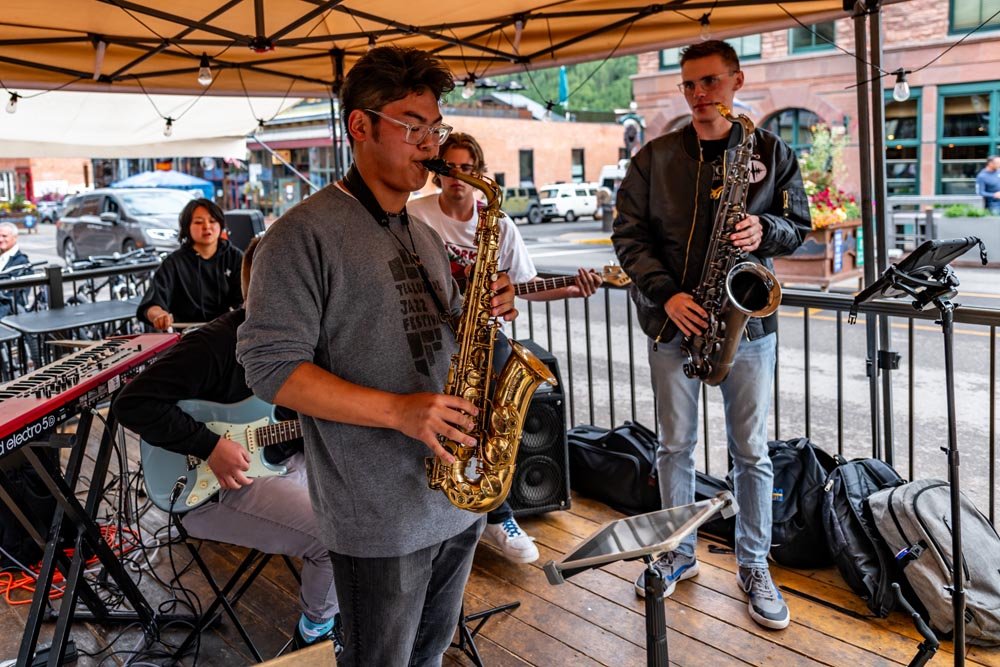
925,277
644,536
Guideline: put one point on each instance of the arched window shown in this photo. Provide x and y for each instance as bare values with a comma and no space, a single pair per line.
794,126
677,123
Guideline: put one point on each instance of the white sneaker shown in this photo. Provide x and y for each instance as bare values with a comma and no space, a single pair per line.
515,544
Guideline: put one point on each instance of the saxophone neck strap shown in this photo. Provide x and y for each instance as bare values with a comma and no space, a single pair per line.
355,184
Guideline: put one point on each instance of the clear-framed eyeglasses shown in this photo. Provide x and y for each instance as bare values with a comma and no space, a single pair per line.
417,133
707,83
465,167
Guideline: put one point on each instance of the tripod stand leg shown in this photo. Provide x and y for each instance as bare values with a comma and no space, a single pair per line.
467,637
656,619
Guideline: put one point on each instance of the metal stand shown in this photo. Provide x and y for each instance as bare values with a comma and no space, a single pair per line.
467,637
656,617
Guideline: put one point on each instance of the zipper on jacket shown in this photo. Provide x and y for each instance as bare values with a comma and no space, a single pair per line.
687,250
785,204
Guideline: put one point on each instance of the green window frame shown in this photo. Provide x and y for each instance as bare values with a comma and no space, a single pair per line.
966,15
747,48
965,140
793,126
808,40
902,144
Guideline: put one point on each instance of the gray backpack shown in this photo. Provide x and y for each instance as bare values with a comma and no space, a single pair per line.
914,520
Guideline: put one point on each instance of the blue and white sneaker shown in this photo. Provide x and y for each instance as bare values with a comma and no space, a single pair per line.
764,601
515,544
674,566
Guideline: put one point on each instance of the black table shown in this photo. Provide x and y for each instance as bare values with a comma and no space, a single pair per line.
95,319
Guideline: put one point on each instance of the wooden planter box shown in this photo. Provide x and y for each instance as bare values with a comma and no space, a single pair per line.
826,255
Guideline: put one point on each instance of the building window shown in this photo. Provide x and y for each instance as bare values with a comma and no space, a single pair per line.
7,180
747,48
966,15
500,178
794,126
967,135
902,145
526,165
819,37
576,166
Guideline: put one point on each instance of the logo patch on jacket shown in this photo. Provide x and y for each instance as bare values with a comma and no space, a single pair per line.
757,171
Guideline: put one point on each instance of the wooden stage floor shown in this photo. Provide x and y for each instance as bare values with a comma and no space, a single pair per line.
593,619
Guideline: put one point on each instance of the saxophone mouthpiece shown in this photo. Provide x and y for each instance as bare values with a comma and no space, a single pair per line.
437,165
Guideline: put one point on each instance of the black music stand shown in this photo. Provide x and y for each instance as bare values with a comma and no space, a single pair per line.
644,536
925,277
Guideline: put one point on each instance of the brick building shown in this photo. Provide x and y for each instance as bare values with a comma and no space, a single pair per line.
936,141
36,177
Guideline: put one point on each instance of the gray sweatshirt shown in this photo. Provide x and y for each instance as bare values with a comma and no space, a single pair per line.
333,287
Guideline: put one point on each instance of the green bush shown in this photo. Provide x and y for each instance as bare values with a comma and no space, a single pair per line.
965,211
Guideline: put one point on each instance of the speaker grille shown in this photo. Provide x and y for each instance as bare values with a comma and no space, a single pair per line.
543,426
538,482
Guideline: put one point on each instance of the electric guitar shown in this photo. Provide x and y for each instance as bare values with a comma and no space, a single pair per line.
612,274
250,423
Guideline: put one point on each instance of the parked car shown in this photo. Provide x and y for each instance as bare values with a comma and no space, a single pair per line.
113,220
522,202
568,201
48,211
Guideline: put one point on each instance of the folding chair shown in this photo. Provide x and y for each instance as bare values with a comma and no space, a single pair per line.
229,594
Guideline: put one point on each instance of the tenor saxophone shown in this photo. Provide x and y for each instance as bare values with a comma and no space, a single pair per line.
502,400
732,288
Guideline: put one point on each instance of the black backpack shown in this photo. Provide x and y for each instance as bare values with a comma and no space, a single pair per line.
616,467
800,473
856,546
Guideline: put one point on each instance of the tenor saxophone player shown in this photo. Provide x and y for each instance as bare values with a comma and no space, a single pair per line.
666,214
349,324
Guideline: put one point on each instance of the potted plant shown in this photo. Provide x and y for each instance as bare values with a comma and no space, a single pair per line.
829,251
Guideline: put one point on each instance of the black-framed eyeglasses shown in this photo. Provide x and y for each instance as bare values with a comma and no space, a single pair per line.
707,83
417,133
465,168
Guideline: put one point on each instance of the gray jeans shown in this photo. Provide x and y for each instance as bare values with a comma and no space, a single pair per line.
274,515
403,611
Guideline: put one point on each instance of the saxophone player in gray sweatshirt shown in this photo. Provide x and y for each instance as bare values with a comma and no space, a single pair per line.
348,324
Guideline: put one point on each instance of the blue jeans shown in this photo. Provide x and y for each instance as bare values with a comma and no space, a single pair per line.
746,395
404,610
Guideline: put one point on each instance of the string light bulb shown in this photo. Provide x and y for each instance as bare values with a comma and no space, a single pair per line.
372,39
12,105
518,31
901,91
168,129
469,89
705,32
204,71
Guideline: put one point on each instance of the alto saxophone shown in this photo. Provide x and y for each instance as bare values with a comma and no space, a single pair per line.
732,289
502,400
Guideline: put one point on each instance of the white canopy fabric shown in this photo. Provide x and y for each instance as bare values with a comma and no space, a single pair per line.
124,125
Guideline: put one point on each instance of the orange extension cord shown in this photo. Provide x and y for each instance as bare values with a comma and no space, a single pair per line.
23,585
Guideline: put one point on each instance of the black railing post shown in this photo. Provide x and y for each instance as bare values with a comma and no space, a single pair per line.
53,274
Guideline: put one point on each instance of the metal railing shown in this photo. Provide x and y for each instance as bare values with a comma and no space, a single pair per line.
821,387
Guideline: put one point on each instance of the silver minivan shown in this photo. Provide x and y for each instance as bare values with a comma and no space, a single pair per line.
120,220
568,201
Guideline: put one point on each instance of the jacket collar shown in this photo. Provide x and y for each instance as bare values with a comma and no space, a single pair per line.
689,139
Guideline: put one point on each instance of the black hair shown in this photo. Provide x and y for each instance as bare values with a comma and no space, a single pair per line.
188,213
389,73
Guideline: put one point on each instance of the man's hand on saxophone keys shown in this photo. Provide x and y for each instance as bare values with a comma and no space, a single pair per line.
426,416
749,233
502,303
685,312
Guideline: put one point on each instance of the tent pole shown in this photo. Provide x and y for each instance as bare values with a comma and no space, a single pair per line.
867,224
336,127
886,356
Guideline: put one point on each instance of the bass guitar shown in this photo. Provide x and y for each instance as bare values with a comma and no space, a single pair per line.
612,274
179,483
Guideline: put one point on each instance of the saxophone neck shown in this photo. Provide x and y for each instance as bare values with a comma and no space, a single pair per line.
746,125
490,188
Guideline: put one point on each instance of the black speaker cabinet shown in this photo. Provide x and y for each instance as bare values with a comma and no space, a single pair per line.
243,226
541,479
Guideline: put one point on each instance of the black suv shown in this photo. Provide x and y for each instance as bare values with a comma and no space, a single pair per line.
522,202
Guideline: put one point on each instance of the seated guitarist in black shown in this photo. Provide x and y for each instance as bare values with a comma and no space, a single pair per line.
272,514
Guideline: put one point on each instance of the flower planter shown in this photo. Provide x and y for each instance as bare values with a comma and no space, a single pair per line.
826,255
26,221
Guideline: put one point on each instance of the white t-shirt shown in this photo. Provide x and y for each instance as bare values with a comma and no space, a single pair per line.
460,240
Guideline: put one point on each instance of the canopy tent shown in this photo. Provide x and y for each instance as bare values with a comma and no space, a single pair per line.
294,47
175,180
121,125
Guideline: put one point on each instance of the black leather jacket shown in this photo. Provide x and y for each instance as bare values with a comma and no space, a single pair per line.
666,214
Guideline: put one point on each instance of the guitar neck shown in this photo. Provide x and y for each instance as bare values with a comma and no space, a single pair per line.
544,285
279,432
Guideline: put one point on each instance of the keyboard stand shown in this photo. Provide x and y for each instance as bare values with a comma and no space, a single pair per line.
88,534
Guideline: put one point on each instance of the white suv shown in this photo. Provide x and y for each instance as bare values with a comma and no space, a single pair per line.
568,201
